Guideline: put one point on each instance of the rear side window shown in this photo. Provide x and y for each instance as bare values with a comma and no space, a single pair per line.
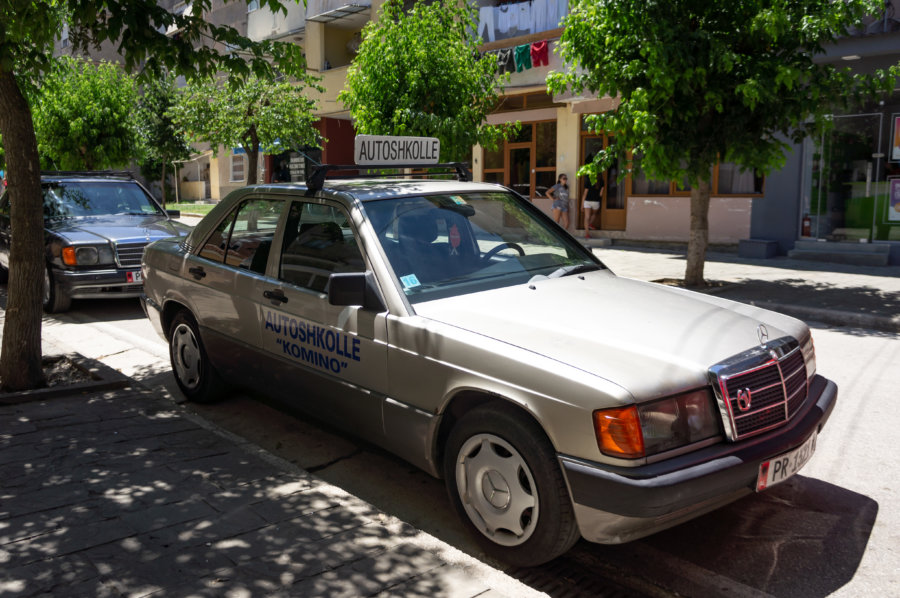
244,239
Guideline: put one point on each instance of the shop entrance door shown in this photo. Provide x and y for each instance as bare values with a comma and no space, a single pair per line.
847,183
612,206
519,161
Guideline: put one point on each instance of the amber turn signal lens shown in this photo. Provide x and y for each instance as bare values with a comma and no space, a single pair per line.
619,432
68,256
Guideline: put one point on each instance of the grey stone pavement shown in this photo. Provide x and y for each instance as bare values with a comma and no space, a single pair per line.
125,493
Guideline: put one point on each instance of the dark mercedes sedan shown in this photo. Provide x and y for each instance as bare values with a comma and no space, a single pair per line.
96,227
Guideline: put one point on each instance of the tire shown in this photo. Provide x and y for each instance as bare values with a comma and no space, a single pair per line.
194,372
54,299
505,482
4,275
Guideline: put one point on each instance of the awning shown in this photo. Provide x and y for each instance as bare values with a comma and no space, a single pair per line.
328,11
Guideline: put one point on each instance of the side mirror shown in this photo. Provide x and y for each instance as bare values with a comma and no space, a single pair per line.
174,213
355,288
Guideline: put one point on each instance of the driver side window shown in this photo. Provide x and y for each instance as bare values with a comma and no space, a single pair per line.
318,240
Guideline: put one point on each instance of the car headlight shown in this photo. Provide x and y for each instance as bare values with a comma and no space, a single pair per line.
643,430
809,356
87,255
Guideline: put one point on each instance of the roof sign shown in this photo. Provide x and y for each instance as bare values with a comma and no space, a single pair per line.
381,150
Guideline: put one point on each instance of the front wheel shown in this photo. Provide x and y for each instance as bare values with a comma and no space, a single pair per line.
55,299
504,481
194,373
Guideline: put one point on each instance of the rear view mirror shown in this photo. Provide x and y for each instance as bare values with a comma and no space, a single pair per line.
355,288
174,213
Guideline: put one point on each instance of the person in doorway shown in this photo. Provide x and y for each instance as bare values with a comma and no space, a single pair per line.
559,193
590,200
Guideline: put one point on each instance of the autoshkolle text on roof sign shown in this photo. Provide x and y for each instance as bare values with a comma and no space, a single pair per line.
376,149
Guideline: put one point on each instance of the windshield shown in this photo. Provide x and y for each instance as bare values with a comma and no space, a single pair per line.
445,245
73,199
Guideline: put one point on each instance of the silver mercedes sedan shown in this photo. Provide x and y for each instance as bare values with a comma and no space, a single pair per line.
454,324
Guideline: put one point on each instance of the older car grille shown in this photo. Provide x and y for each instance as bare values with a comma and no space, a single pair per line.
762,389
129,254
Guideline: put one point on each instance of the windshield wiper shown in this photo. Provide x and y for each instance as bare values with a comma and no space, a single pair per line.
574,269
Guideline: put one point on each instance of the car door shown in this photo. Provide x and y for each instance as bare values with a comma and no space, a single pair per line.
329,359
227,277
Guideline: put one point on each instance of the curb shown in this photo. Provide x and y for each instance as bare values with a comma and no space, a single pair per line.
833,316
104,378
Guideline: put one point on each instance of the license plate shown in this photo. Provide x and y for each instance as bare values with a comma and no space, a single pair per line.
776,470
134,276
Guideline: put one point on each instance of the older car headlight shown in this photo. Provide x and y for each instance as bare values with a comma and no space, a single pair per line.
87,255
642,430
809,356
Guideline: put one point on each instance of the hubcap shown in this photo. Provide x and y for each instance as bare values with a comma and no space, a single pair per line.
497,489
186,356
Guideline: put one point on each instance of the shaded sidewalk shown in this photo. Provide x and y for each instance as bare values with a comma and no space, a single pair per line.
837,294
122,493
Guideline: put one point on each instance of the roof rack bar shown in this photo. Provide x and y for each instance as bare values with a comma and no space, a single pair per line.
122,173
316,180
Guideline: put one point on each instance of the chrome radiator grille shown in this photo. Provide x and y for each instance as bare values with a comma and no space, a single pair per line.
763,389
129,254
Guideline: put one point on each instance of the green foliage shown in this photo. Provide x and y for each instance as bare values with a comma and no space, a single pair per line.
28,29
160,141
256,115
703,81
419,73
83,116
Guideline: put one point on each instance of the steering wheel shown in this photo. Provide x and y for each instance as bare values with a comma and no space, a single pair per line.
498,248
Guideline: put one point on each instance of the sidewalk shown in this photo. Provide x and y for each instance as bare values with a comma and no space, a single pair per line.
836,294
125,494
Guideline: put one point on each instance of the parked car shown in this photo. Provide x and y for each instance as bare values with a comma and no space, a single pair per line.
96,227
456,325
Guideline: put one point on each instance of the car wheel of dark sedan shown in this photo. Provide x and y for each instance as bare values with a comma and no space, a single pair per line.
194,373
54,299
505,482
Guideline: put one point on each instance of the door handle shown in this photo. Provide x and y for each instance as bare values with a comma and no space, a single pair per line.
197,272
276,296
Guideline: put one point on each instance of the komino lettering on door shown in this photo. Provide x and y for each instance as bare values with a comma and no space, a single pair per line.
383,150
318,346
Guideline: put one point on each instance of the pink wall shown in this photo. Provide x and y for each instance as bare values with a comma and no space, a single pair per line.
668,218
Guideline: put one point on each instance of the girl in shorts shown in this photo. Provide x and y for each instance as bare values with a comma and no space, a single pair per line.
559,193
591,198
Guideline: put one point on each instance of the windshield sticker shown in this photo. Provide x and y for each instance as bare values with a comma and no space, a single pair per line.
458,200
319,346
455,239
410,281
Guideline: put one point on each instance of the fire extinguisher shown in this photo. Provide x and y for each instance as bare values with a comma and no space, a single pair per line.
806,229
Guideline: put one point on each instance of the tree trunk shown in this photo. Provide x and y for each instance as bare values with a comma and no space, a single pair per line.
20,355
252,167
699,236
162,183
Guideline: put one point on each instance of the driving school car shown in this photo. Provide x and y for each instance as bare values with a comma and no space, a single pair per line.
454,324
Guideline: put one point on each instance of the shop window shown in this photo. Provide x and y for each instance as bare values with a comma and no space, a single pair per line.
641,185
237,168
493,159
734,181
546,143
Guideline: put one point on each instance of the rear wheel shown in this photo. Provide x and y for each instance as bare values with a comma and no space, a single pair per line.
194,373
55,299
505,482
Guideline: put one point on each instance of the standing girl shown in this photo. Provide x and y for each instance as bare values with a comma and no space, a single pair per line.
591,198
559,193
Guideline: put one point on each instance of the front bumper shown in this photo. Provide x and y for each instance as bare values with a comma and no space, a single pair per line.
95,284
619,504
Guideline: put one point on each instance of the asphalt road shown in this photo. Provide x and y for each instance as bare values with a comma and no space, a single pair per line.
834,529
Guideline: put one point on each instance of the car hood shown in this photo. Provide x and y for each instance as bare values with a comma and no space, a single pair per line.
118,228
651,339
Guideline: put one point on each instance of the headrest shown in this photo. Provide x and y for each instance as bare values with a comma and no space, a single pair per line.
418,226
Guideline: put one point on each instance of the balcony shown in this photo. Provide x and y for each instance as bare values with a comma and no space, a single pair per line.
506,20
263,24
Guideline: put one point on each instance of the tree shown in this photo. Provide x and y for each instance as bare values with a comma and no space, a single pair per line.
701,82
161,142
28,29
419,73
83,116
255,115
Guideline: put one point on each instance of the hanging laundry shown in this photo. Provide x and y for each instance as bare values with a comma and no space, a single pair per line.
486,21
523,57
506,61
540,53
